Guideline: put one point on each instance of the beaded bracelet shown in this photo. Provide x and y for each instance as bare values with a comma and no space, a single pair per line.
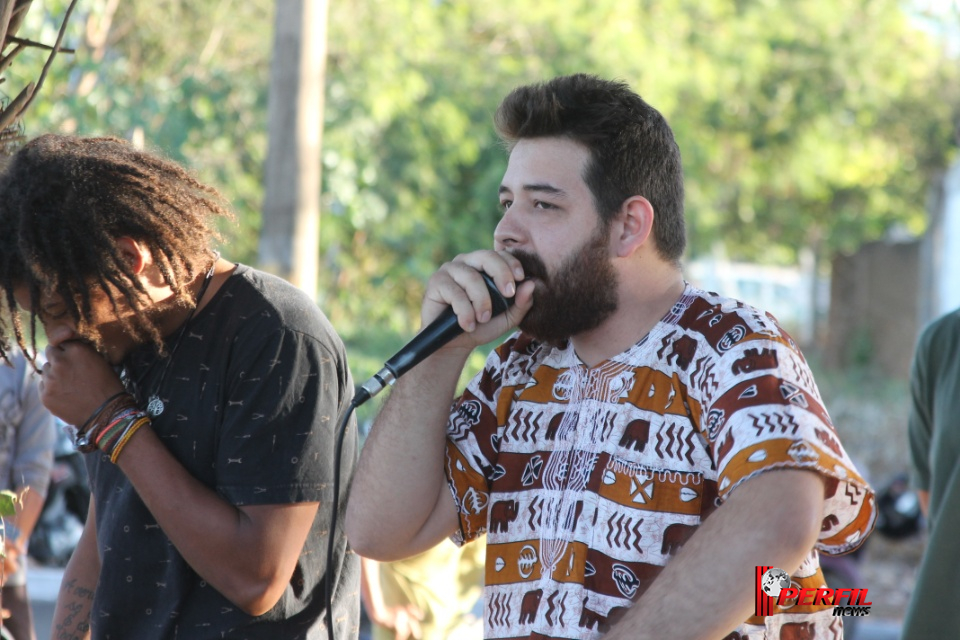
125,437
117,425
118,429
111,426
86,437
93,416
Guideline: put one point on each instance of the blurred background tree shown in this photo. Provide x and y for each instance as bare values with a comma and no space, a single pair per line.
805,126
290,224
12,44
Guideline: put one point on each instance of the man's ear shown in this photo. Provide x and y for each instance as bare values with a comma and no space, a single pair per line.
135,253
633,225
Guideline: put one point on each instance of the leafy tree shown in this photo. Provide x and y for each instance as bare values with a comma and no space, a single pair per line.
189,78
802,124
290,230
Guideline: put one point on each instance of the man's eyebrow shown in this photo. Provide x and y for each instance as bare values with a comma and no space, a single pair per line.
538,188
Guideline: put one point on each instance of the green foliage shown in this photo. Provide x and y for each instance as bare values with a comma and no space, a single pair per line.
8,508
802,124
190,76
8,503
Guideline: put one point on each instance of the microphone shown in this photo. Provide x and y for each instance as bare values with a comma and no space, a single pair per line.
438,333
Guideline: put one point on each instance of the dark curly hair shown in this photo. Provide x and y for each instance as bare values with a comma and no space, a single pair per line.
65,200
632,148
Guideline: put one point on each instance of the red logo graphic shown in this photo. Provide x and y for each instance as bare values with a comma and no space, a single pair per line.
776,592
769,584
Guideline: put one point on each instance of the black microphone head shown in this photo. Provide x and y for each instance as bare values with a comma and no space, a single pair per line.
443,329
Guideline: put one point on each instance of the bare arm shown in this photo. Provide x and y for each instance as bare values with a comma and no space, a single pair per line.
399,502
924,498
247,553
29,504
33,444
71,618
708,589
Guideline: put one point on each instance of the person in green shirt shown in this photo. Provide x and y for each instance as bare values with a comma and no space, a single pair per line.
934,430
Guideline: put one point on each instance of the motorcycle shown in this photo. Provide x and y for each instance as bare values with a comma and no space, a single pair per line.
64,513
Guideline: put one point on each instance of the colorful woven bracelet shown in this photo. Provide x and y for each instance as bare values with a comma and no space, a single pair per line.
83,440
125,437
108,437
120,406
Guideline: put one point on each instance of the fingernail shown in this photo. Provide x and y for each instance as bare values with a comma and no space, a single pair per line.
484,316
511,289
518,272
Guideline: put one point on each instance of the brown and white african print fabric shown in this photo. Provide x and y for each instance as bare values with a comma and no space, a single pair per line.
587,480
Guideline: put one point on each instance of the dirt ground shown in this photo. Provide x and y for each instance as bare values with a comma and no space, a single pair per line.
889,570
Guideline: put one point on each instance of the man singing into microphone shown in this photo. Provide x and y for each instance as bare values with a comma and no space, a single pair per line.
639,447
204,394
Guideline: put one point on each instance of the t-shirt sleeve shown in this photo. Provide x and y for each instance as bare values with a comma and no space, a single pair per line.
473,434
282,405
920,420
765,412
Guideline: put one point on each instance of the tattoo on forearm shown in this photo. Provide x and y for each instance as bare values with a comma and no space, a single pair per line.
75,603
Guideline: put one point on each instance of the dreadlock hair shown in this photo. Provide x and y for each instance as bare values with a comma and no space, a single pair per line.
64,201
632,148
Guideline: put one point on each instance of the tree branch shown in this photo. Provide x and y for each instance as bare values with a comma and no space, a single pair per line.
53,53
17,106
6,60
23,42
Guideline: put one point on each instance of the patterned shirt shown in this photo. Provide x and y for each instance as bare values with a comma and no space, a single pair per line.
252,396
587,480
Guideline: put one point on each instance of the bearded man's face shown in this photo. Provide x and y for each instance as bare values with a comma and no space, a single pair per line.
577,297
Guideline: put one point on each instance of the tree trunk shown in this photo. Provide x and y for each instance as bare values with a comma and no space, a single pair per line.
289,238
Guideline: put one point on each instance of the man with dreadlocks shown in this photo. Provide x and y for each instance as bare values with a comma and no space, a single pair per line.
204,393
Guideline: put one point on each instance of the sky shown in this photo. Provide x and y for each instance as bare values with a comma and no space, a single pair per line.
942,18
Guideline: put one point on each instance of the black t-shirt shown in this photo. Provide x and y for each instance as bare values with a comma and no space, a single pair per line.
253,395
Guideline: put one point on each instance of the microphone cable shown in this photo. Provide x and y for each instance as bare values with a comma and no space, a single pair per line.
340,432
435,335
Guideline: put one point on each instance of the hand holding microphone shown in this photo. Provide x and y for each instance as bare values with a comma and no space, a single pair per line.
436,334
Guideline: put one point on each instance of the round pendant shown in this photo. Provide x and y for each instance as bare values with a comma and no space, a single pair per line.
154,406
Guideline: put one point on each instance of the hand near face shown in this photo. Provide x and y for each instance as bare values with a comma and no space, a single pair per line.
458,284
76,380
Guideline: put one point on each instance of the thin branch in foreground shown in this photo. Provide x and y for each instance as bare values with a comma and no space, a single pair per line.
7,60
16,106
53,53
38,45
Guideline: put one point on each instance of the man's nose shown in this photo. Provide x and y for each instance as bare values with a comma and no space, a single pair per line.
509,232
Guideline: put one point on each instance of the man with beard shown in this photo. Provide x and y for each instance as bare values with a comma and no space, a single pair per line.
628,408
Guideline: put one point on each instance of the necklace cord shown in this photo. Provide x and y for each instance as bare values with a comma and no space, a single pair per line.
155,405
